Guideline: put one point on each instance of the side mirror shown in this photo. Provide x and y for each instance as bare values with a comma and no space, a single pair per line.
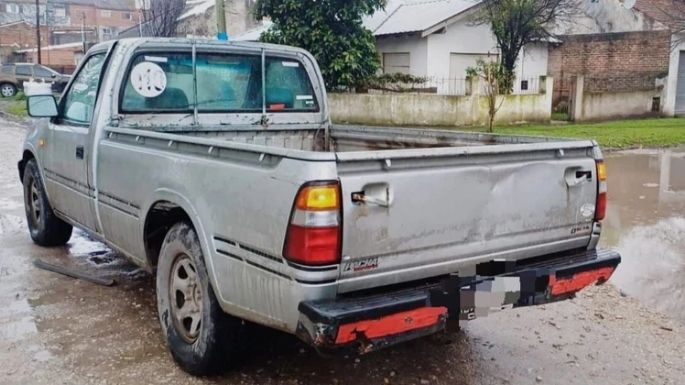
41,106
54,76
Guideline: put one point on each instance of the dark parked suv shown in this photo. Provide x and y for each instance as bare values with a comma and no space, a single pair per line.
13,76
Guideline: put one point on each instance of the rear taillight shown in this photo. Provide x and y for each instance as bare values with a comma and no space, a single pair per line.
601,209
314,233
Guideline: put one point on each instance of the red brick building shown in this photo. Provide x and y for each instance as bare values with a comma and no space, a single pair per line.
618,47
62,58
620,61
64,25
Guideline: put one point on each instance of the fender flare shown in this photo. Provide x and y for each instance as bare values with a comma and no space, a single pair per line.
178,199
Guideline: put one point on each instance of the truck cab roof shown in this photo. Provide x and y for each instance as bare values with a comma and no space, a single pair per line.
188,42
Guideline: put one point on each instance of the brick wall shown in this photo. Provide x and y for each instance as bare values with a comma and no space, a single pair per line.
62,60
95,17
22,35
628,61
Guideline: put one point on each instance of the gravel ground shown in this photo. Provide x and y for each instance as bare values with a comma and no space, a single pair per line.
56,330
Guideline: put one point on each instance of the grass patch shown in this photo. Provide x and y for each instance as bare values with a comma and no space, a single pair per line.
621,134
16,105
17,108
559,116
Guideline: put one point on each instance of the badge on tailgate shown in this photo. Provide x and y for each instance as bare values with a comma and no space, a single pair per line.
358,265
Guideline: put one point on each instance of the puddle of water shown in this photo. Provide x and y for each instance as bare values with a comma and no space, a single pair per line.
646,224
17,321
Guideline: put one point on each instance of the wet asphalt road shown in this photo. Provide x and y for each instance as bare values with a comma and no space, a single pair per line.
56,330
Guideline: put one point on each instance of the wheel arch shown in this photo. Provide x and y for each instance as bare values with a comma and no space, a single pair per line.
25,157
166,209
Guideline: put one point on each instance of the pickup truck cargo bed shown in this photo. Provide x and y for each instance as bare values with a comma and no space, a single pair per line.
216,166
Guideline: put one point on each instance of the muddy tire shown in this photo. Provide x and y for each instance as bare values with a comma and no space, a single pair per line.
200,336
45,228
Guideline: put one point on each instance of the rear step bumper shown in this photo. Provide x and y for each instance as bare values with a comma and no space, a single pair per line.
378,320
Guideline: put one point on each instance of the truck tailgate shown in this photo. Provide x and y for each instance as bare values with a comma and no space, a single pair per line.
412,214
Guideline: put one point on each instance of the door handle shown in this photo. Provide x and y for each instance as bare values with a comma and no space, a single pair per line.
378,194
576,175
79,152
584,174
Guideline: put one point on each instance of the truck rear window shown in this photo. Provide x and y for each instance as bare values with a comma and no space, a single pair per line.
163,83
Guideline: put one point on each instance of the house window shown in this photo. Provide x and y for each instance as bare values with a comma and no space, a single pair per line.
12,8
127,16
396,63
60,12
105,13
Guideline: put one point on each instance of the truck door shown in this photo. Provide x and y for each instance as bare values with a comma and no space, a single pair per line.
67,177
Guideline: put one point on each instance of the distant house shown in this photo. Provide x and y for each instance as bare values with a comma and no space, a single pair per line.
64,25
63,58
103,18
438,40
198,19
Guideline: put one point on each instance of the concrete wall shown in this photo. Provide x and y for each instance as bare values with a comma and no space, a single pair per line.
669,99
593,106
612,105
437,110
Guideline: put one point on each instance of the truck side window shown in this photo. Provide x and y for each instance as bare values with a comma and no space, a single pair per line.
159,83
288,87
79,102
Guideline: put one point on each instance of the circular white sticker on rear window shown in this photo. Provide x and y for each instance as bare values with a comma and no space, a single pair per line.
148,79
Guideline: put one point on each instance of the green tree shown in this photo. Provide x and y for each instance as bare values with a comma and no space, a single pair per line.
516,23
493,76
331,30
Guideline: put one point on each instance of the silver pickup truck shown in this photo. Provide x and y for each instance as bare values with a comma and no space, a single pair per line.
216,166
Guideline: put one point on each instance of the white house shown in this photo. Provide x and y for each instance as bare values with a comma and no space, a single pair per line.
437,39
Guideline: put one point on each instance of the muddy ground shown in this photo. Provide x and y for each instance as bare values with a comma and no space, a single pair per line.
56,330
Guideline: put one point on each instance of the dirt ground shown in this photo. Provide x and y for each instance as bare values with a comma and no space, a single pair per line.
57,330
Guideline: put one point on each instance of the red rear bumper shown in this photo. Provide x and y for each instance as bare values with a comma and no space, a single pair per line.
382,319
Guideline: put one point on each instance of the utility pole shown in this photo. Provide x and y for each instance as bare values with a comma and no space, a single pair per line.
40,61
83,31
220,20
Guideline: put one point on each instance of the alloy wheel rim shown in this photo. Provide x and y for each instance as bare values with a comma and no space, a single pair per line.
185,297
34,203
7,90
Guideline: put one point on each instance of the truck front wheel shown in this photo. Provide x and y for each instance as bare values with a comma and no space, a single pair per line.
199,334
45,228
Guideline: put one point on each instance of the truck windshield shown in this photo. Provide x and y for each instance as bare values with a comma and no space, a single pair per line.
163,83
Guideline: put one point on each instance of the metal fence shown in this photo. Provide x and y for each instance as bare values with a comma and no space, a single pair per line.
459,87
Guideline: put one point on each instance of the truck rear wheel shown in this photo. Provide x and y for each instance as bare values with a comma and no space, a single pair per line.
199,334
45,228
